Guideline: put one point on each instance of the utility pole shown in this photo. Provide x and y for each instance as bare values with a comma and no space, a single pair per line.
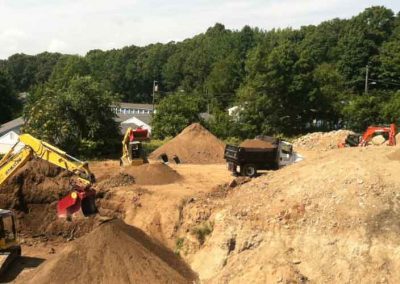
155,89
366,79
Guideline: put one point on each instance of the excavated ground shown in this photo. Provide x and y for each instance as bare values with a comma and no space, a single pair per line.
332,218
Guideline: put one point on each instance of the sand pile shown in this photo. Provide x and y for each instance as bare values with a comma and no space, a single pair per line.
333,218
194,145
256,143
152,174
321,140
114,253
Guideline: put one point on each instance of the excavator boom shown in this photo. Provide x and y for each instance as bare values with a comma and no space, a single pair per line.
82,195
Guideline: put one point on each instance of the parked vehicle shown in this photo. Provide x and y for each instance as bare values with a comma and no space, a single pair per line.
246,161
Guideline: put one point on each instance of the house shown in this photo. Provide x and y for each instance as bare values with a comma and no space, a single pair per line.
7,141
13,125
133,115
130,108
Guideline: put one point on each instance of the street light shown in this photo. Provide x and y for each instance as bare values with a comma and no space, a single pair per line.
155,89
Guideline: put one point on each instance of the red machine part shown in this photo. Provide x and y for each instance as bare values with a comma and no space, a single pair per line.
372,130
80,198
138,134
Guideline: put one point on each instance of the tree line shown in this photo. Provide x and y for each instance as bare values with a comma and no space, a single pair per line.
281,81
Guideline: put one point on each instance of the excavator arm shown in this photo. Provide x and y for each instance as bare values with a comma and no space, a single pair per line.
82,194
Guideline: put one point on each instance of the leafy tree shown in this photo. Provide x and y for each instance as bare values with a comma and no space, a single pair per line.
362,111
9,104
174,113
77,118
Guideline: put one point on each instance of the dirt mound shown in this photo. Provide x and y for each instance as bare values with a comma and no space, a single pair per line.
394,156
122,179
152,174
255,143
114,253
330,219
194,145
321,140
33,193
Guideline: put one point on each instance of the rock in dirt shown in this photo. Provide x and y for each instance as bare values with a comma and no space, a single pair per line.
114,253
321,140
194,145
378,140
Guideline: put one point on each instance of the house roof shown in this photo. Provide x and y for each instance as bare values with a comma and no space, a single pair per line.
134,106
6,127
146,118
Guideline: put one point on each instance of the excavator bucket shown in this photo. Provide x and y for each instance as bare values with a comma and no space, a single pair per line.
77,200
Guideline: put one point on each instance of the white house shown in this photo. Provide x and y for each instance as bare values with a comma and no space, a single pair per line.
8,140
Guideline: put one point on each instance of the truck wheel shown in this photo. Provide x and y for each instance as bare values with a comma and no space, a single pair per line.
249,170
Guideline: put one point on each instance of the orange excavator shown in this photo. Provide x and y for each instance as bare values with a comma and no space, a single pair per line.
361,140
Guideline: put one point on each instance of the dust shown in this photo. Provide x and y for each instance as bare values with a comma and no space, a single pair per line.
194,145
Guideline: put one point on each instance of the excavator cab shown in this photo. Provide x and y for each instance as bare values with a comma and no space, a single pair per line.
9,247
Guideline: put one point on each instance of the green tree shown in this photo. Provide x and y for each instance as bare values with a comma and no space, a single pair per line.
9,104
77,118
174,113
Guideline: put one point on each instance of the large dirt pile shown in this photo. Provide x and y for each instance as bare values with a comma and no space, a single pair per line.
114,253
321,140
333,218
194,145
153,174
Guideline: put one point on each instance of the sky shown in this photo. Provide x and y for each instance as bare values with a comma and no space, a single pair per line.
77,26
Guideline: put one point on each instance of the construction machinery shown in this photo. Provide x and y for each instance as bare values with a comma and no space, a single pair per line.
246,161
133,153
361,140
10,249
82,195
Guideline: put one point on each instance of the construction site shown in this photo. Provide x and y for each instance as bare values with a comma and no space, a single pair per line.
331,217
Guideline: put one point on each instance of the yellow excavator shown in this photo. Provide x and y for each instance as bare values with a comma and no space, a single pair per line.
81,197
133,153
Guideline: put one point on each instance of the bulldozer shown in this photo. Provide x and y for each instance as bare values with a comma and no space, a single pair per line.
362,140
81,197
133,153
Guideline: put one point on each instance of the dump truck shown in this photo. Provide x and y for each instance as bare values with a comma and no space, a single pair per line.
247,161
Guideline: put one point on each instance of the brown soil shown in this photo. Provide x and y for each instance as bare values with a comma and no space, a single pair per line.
332,218
33,193
194,145
321,141
152,174
394,156
255,143
114,253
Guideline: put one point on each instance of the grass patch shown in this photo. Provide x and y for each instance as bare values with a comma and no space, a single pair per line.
179,245
202,231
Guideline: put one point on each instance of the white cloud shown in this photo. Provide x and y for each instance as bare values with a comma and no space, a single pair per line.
57,45
76,26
